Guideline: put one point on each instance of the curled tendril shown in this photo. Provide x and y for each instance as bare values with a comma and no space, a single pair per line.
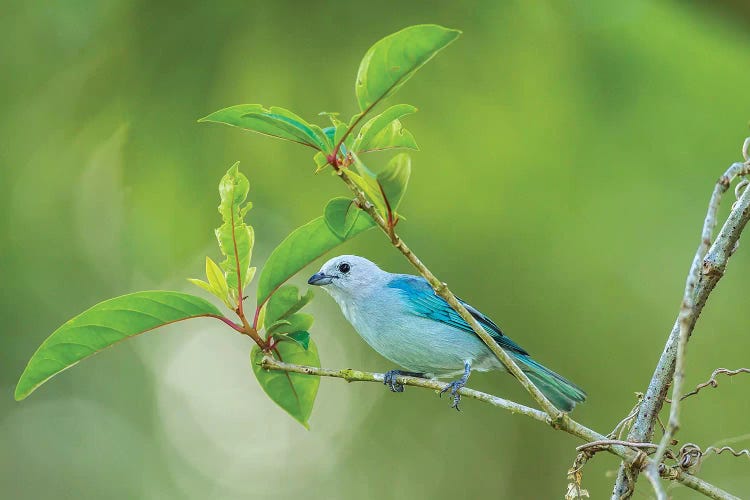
746,149
719,451
691,456
712,380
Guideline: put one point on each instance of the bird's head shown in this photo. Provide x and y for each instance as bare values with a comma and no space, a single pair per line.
346,275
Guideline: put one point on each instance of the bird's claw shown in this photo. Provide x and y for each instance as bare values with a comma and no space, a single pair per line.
454,387
389,379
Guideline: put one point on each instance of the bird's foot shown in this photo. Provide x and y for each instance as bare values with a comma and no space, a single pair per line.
389,379
454,387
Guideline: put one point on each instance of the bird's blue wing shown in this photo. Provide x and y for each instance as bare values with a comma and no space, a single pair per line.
424,302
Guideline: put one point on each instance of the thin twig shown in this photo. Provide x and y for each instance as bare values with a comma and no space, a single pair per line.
603,443
713,382
631,457
359,376
620,427
653,476
687,310
719,451
708,265
692,482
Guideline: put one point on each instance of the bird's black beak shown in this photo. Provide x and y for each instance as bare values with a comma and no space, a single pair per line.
319,279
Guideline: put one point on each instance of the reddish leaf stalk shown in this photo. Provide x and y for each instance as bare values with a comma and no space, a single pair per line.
227,321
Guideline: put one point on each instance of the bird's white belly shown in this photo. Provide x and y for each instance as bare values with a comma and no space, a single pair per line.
416,343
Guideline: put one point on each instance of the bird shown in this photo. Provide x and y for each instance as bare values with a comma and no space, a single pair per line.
401,317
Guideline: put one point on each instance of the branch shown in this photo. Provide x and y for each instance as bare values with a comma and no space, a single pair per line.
604,443
705,272
694,483
619,448
441,289
359,376
713,382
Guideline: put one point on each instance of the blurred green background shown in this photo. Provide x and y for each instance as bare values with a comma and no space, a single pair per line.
568,153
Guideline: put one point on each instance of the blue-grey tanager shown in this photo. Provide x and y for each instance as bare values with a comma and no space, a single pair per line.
401,317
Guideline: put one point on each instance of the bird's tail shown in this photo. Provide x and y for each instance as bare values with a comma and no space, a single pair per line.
561,392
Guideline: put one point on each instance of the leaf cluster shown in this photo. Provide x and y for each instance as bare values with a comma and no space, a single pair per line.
278,327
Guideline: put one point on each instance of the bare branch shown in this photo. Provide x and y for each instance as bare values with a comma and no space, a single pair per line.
687,310
706,270
652,474
692,482
624,450
605,443
713,382
359,376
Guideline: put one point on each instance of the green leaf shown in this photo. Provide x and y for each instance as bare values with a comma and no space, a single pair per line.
389,63
302,338
341,215
394,178
233,190
292,323
336,132
385,131
275,122
294,392
217,282
201,284
105,324
341,129
321,161
235,237
302,246
317,133
250,275
367,181
285,302
262,314
276,324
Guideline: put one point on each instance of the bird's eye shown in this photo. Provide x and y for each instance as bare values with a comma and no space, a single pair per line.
344,267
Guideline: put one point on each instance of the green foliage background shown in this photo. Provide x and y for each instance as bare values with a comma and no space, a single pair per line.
568,152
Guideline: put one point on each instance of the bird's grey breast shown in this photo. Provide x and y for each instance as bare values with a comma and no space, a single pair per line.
387,321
